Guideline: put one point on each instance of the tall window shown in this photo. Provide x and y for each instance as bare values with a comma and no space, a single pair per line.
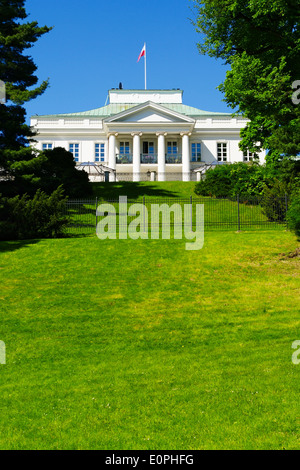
148,156
148,148
196,152
47,146
99,152
222,152
172,152
248,156
74,149
124,148
124,156
172,148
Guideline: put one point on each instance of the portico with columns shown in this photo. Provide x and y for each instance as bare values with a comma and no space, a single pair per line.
140,152
150,138
145,134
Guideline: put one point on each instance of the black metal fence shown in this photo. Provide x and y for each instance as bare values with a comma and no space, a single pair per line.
82,216
238,213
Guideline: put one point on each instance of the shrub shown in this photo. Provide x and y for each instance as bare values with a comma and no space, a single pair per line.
231,180
274,202
293,214
49,170
59,168
216,183
287,171
42,216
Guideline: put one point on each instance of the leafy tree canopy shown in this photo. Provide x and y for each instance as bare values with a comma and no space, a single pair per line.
260,40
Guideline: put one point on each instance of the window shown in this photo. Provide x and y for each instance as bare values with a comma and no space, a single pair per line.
124,155
47,146
249,156
196,152
222,152
124,148
99,152
148,148
74,149
172,148
148,155
172,153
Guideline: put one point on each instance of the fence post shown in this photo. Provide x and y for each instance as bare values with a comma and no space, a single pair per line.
239,218
144,213
191,202
96,213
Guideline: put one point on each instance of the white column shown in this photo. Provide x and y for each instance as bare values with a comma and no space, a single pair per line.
112,151
186,164
161,151
136,156
112,154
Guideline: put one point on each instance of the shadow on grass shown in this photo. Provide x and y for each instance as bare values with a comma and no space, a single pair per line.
80,209
110,191
80,234
8,246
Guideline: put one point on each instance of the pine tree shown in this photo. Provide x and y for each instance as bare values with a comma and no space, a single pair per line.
17,71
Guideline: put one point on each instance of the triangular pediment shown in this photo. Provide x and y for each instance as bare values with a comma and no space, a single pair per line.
149,113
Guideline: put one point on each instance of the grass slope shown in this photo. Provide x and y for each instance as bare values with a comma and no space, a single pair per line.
165,189
143,345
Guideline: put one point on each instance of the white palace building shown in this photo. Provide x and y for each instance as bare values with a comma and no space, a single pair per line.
145,135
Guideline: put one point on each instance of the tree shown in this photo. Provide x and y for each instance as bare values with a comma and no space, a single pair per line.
49,170
17,71
57,167
260,40
42,216
293,215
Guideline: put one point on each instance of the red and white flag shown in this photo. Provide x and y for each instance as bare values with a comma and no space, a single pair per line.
143,53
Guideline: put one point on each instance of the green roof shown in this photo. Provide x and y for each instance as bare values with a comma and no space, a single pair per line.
112,109
193,112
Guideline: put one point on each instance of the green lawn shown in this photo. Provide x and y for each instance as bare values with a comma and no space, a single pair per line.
166,189
143,345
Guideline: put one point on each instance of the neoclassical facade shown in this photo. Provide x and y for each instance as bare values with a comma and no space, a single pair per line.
145,134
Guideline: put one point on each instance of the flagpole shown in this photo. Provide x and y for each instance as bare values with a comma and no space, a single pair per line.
144,54
145,67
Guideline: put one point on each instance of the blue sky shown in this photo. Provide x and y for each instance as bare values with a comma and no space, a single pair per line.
95,45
